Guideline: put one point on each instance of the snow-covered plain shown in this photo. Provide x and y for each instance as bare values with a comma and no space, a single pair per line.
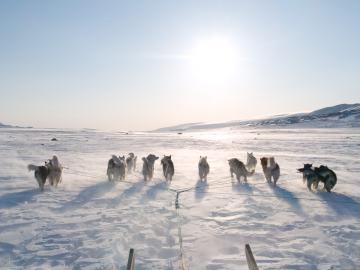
89,223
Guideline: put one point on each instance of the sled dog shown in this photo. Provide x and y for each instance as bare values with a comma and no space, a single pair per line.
271,172
204,168
55,171
168,167
148,166
52,170
40,173
251,162
131,162
310,176
306,167
116,169
328,176
238,167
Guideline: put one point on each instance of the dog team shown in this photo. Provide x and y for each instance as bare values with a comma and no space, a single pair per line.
118,167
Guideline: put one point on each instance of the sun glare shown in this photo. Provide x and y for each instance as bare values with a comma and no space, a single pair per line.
213,59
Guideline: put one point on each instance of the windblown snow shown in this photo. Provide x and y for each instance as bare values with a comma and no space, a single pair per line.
89,223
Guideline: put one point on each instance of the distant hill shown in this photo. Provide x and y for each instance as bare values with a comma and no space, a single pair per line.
5,126
342,115
10,126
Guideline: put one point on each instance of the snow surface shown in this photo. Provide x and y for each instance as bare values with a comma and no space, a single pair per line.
89,223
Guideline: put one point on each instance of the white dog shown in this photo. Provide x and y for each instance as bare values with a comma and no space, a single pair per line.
55,171
251,162
131,162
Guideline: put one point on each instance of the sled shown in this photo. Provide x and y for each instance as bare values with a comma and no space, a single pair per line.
131,260
250,258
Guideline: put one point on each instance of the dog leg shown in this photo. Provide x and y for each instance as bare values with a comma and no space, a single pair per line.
39,183
309,183
232,173
316,184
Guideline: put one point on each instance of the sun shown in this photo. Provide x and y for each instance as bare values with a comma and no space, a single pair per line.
213,59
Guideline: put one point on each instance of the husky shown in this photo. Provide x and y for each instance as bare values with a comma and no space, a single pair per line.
55,171
238,167
307,167
131,162
168,167
111,169
310,176
148,166
52,170
327,176
41,173
116,169
251,162
204,168
272,171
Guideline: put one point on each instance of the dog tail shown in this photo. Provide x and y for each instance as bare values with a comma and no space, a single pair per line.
32,167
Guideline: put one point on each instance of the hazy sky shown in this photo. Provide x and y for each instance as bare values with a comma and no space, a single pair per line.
140,65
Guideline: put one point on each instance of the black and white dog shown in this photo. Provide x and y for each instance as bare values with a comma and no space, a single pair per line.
318,174
52,170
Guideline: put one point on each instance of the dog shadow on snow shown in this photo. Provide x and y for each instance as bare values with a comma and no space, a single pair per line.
127,193
154,190
201,189
287,196
88,194
16,198
243,187
341,204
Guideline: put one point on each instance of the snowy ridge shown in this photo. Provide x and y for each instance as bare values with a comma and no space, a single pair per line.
89,223
342,115
10,126
5,126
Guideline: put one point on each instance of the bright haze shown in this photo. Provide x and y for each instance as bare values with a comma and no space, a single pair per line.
141,65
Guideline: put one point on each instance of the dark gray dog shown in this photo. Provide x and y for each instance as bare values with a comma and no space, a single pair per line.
148,166
168,167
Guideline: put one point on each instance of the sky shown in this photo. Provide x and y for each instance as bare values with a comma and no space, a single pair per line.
142,65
